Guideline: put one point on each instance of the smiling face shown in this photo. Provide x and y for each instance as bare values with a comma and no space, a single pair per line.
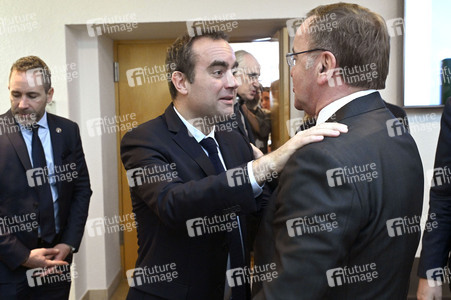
28,102
214,87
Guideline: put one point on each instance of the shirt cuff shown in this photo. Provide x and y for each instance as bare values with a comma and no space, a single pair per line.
256,188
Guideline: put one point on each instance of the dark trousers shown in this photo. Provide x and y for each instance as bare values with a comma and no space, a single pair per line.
134,294
52,289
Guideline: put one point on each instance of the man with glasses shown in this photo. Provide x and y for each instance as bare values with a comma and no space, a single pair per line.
345,221
247,75
256,123
194,183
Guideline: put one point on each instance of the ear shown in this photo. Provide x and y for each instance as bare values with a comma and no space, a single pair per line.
50,95
180,82
326,67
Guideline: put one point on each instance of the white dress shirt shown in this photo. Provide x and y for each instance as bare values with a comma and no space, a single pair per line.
199,136
44,136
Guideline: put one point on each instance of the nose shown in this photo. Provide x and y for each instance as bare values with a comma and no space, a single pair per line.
231,80
23,102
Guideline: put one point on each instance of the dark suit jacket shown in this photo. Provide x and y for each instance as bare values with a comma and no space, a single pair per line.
163,207
346,221
399,113
18,199
242,126
437,242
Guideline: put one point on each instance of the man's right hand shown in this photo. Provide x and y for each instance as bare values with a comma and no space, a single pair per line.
276,160
426,292
42,258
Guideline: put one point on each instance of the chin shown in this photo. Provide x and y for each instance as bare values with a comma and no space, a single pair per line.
225,111
298,105
228,112
25,121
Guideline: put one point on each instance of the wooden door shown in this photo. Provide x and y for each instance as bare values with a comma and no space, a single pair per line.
280,111
142,94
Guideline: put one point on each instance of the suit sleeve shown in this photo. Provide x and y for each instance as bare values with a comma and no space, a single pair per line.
12,251
313,227
437,241
79,202
175,200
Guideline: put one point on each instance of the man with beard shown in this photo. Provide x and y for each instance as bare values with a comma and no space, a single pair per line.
42,212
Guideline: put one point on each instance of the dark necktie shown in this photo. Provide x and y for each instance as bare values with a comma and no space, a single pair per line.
234,237
209,144
46,211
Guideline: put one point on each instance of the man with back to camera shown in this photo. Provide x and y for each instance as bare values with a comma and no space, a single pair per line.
44,189
215,181
344,224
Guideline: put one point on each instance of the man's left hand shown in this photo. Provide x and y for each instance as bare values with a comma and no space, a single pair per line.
64,249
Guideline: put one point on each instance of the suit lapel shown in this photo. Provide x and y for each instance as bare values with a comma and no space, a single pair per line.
237,112
187,143
16,139
227,149
56,139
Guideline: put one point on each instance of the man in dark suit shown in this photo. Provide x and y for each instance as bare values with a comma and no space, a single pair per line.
44,189
247,75
248,100
345,221
434,262
191,212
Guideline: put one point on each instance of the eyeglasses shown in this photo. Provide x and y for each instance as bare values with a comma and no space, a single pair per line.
291,59
253,77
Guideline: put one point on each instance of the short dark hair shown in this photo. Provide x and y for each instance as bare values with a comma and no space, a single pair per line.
360,38
181,56
26,63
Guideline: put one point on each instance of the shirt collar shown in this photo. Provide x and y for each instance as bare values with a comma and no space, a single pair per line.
43,121
330,109
196,133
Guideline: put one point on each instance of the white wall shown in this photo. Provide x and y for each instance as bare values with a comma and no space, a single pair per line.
92,95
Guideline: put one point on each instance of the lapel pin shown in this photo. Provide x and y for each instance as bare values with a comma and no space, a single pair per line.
58,130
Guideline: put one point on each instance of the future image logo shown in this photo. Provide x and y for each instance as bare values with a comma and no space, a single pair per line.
438,276
213,224
351,274
439,176
395,27
201,26
152,274
347,175
111,24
